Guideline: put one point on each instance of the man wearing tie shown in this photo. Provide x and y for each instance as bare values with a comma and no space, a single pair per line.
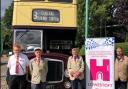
39,69
75,68
18,68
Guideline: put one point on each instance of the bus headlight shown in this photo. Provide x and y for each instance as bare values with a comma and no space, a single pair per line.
66,73
67,84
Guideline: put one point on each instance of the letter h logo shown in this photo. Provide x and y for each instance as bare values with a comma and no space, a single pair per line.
100,72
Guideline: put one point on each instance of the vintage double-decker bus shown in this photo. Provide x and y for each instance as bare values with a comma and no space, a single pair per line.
51,25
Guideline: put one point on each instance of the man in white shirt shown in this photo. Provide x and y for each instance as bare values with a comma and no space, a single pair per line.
18,68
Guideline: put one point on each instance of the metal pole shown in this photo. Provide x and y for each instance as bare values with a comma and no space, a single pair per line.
86,30
86,19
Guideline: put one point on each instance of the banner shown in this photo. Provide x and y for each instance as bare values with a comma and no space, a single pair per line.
100,63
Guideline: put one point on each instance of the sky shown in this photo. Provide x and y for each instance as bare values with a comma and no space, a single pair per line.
4,5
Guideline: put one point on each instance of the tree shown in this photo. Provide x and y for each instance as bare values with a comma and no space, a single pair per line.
81,22
6,36
120,11
6,26
98,16
7,19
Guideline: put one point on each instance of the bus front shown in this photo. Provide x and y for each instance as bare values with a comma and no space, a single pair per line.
51,25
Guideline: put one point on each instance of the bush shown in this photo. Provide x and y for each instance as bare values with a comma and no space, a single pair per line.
81,50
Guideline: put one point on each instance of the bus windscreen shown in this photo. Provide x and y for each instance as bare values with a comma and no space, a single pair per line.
28,39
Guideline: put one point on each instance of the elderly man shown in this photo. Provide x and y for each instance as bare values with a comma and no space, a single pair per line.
121,69
39,68
75,68
18,68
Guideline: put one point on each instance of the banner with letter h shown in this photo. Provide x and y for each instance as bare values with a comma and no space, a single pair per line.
100,63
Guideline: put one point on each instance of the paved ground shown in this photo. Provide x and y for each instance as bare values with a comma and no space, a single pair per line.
3,65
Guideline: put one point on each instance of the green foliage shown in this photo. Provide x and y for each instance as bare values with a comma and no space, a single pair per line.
98,13
6,25
124,46
81,22
82,50
7,19
126,40
121,12
7,38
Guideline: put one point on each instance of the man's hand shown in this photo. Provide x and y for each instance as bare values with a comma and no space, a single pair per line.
72,73
77,74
